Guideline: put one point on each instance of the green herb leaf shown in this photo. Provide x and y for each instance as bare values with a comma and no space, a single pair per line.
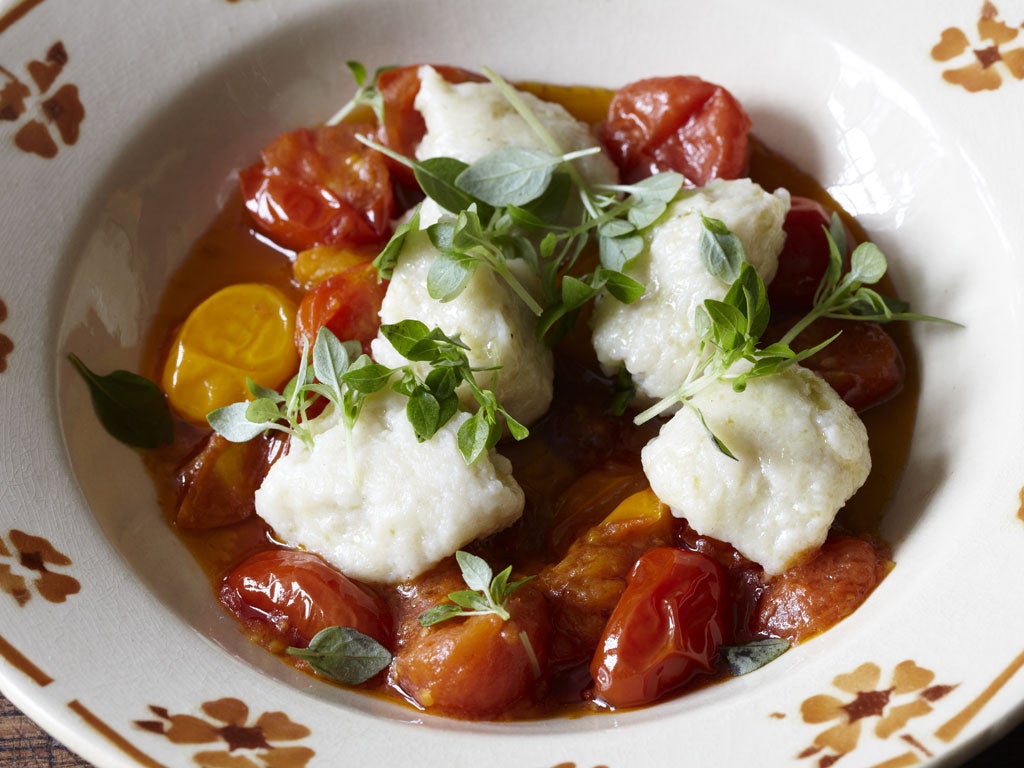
509,176
344,654
388,258
436,177
741,659
130,407
232,422
487,594
721,251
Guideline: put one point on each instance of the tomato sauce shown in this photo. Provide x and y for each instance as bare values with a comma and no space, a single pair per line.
578,464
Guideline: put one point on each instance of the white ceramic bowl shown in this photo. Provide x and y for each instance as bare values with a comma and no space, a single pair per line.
111,640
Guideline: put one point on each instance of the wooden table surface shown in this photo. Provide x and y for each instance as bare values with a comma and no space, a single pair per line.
24,745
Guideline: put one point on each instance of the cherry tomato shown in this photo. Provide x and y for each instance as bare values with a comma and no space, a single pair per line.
291,595
666,628
475,667
346,304
863,364
814,595
219,482
804,257
679,123
319,186
403,126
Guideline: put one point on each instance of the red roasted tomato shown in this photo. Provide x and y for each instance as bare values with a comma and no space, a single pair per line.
320,186
292,595
666,628
679,123
346,304
804,257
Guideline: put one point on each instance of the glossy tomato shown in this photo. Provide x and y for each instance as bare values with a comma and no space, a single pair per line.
475,666
403,125
679,123
291,595
804,257
346,304
319,186
863,365
666,628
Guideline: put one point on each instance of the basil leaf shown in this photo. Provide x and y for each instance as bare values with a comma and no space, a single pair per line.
344,654
388,258
404,334
439,613
621,286
448,275
436,177
330,359
509,176
367,377
130,407
721,251
475,571
424,413
616,253
231,423
473,437
867,263
741,659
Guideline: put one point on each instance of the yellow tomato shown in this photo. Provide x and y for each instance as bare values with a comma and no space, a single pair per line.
639,506
244,330
320,262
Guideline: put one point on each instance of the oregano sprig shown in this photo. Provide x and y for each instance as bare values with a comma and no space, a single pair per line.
514,204
486,593
730,329
366,95
341,373
343,654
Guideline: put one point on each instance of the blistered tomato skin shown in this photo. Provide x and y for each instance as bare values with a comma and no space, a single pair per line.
320,186
666,629
347,304
292,595
681,124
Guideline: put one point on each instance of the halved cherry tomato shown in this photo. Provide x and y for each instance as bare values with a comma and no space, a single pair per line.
320,186
474,667
665,630
290,596
403,126
804,257
346,304
679,123
814,595
863,364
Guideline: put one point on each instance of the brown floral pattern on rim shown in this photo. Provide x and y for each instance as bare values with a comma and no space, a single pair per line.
42,112
6,345
242,744
982,63
909,694
25,563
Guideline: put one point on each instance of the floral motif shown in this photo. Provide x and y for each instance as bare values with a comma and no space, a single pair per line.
909,695
988,58
60,110
243,745
35,555
6,345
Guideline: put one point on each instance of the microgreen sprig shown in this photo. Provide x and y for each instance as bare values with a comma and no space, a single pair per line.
366,95
487,593
730,330
345,377
514,204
